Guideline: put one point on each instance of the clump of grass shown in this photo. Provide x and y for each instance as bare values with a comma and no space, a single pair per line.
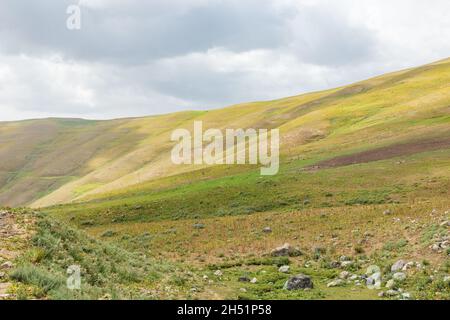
105,269
395,245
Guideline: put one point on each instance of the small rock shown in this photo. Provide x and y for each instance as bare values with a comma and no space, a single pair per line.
2,275
406,296
218,273
267,230
354,277
372,269
381,294
390,284
374,279
344,258
392,293
7,265
243,290
335,264
398,266
299,282
199,226
335,283
387,212
254,280
409,265
205,277
447,279
344,275
286,250
399,276
435,247
284,269
244,279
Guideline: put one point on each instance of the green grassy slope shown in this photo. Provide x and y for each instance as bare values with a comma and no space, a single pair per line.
52,161
365,174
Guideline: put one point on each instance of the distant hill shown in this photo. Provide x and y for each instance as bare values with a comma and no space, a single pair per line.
54,161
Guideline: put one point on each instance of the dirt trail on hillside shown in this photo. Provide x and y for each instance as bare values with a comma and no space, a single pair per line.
10,235
383,153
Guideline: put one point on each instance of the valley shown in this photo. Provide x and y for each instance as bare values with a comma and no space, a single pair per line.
363,182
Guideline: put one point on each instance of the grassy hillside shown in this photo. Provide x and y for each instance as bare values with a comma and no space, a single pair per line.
364,180
56,160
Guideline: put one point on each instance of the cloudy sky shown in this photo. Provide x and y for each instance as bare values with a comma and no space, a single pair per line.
142,57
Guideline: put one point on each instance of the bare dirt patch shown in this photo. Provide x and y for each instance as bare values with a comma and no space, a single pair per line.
384,153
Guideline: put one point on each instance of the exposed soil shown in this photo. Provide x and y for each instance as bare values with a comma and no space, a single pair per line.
383,153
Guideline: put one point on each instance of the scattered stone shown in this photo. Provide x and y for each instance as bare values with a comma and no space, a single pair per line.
243,290
335,283
284,269
199,226
387,212
286,250
374,279
392,293
399,276
244,279
7,265
354,277
2,275
344,258
381,294
406,296
299,282
398,266
254,280
409,265
267,230
335,264
344,275
205,277
390,284
447,279
435,247
372,269
218,273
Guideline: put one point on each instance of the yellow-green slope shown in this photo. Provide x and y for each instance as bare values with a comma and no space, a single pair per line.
52,161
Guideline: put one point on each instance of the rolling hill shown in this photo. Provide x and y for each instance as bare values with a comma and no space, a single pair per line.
364,181
54,161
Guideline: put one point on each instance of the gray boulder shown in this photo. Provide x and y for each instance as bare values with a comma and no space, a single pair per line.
299,282
398,266
399,276
286,250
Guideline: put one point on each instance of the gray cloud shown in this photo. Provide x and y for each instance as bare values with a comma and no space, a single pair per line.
139,57
138,32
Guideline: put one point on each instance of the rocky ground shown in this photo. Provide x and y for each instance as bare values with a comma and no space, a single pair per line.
13,239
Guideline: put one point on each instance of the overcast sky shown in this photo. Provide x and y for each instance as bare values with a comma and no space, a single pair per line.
143,57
